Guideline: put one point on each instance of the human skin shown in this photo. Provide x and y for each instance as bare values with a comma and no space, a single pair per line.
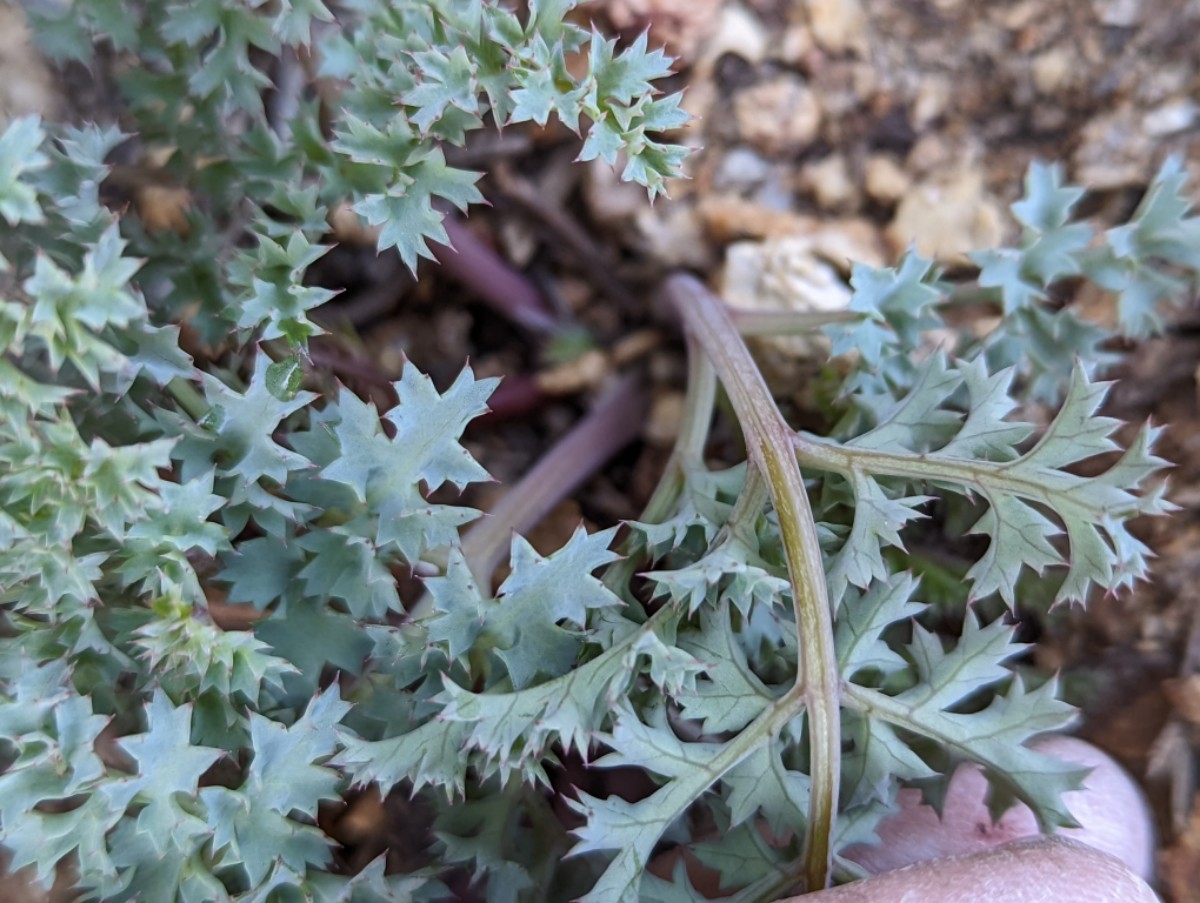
1031,870
1111,810
963,856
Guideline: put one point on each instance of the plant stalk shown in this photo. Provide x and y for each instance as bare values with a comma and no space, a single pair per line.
612,424
188,398
688,454
788,322
493,280
769,443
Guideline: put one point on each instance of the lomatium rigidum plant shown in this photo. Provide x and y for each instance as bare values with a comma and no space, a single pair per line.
754,645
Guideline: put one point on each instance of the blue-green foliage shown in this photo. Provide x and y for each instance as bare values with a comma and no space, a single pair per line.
1149,264
412,77
135,487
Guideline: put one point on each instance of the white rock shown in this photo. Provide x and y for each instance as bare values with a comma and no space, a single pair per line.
829,182
845,242
795,45
674,235
608,199
739,32
779,117
783,274
741,169
839,25
1171,117
1118,13
682,25
26,83
946,217
1113,151
933,96
1052,69
884,179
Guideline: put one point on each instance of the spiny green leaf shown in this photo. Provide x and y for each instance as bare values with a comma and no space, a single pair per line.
462,609
445,79
732,695
1020,487
761,785
514,730
634,828
293,24
896,304
387,473
168,765
20,152
193,657
863,618
995,736
406,212
1047,202
877,758
430,754
705,501
538,594
291,637
878,521
261,570
743,855
485,833
347,567
238,430
628,75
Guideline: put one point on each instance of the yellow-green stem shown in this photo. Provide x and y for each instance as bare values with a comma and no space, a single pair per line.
769,443
688,454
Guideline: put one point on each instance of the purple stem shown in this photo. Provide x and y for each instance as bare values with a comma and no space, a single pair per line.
480,269
614,422
516,396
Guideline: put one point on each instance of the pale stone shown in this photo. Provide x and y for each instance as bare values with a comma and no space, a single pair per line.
584,372
1118,13
1163,83
783,274
27,86
884,179
741,169
682,25
520,242
1114,151
780,117
609,200
1017,16
931,152
933,96
739,32
839,25
673,235
727,218
829,182
664,420
1052,69
163,208
844,242
864,81
947,217
698,101
796,44
1171,117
